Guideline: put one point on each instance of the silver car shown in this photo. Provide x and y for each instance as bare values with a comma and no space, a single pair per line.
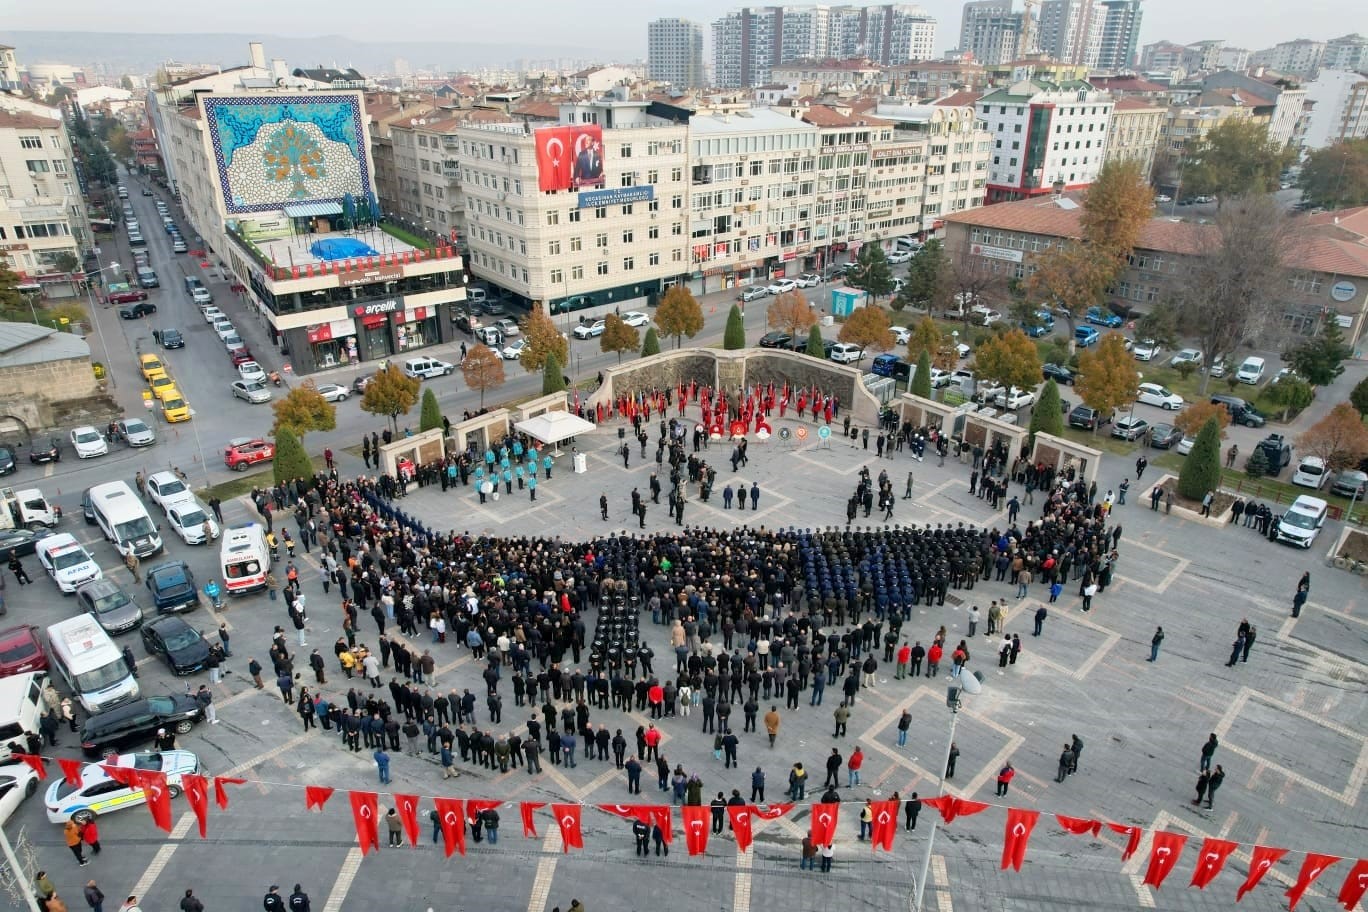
113,608
254,392
134,432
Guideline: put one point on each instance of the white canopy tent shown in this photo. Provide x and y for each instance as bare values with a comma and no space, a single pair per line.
553,427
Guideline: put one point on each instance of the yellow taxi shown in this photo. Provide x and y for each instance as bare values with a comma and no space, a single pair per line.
162,386
175,408
151,366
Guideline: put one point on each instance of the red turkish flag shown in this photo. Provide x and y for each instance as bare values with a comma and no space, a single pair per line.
1264,858
1132,834
696,828
1020,823
1211,860
221,793
662,815
1310,870
740,815
1079,825
451,815
71,770
951,807
773,811
529,822
1354,885
153,784
197,793
367,826
120,774
407,806
640,812
1163,857
885,824
34,762
824,817
315,796
568,819
966,808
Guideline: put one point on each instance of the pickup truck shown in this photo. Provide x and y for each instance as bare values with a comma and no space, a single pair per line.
27,509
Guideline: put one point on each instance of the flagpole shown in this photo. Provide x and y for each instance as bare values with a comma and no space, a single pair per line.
940,790
20,875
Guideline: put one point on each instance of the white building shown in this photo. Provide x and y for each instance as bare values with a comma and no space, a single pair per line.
957,153
1070,31
1340,108
674,53
1233,58
597,79
990,33
1301,57
1044,134
1349,52
43,226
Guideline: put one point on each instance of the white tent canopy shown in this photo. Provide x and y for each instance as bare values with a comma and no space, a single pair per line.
553,427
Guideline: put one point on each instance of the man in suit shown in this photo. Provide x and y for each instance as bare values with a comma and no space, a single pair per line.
589,164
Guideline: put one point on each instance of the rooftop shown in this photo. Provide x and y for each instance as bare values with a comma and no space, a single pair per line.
756,120
963,99
370,247
27,343
1136,104
825,116
23,120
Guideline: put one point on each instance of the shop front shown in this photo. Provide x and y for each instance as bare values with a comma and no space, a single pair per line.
332,344
417,327
376,338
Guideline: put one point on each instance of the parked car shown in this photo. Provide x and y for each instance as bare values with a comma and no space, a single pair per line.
17,782
846,353
88,442
67,562
243,453
166,488
427,368
590,330
134,432
1130,428
7,464
1311,473
1165,436
22,542
513,350
1184,446
113,608
1145,350
776,340
751,292
254,392
808,280
180,646
635,318
507,327
1058,373
41,451
1089,419
1015,399
1085,336
134,311
172,585
192,521
1186,356
99,793
331,392
136,723
1154,394
1350,483
901,334
898,257
1241,412
781,286
1101,317
21,651
127,296
251,372
171,338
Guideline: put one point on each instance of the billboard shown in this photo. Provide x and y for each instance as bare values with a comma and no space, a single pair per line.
569,157
616,196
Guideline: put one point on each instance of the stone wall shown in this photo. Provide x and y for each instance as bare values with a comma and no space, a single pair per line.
1061,453
423,447
34,393
482,429
555,402
663,371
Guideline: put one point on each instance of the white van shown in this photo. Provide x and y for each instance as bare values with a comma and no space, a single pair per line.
124,520
1302,521
21,706
426,368
1251,371
90,664
244,559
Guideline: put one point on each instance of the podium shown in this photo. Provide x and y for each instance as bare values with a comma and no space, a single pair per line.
581,464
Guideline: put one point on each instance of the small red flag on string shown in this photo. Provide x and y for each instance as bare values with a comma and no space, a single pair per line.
221,793
34,762
1079,826
363,805
740,815
1020,823
197,794
885,824
451,816
1264,858
153,784
695,828
1310,870
407,805
71,770
315,796
529,822
568,819
1354,886
1132,834
824,817
1210,860
1164,855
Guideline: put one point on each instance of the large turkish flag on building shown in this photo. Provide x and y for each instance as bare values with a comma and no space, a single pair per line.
555,158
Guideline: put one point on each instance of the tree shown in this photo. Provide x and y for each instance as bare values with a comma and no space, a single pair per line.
618,337
11,298
1358,396
973,279
1291,395
734,336
1119,203
553,381
430,413
390,393
921,380
927,336
119,143
1160,324
1235,278
1235,158
1107,378
1193,418
125,82
1321,358
483,369
1340,439
65,262
1201,471
872,271
1011,359
928,280
303,409
1336,177
651,344
291,461
1256,466
543,340
679,314
791,313
816,345
1047,416
868,328
1074,277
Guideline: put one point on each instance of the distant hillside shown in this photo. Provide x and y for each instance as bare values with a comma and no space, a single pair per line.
142,52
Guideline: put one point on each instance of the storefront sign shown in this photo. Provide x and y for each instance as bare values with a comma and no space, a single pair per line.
337,329
894,152
415,314
996,253
378,274
880,213
617,196
376,307
1343,291
789,255
371,321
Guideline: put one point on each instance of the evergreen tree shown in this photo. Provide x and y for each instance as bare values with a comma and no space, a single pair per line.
1321,358
921,380
928,279
430,413
291,461
734,336
651,344
815,346
872,271
553,381
1256,466
1201,471
1358,396
1047,416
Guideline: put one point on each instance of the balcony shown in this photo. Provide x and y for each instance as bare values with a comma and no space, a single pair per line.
293,256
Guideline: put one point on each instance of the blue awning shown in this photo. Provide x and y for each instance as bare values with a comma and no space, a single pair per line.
309,210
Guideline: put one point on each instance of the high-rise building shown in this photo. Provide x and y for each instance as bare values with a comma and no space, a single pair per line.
1044,134
674,53
749,42
1347,53
1161,55
990,33
1340,111
1301,57
1120,31
1070,31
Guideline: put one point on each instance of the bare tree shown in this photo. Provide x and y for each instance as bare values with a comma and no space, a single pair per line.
975,279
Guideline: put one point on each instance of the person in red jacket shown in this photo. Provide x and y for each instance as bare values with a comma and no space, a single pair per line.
652,737
933,658
656,697
904,659
853,764
1004,779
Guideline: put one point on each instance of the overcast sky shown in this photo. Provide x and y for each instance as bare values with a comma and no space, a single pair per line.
616,25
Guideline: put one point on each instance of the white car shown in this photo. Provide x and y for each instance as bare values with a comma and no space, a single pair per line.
68,563
513,351
1154,394
989,390
939,379
213,315
1184,446
99,794
254,392
635,318
17,782
331,392
590,330
989,317
1015,399
808,280
166,488
251,371
901,334
781,286
846,353
88,442
188,517
1145,350
225,329
899,256
1186,356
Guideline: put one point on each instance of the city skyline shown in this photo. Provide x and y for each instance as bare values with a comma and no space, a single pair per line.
536,24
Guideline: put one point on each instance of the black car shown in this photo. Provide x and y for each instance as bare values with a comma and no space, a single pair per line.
181,646
1277,452
1058,373
1164,436
800,346
173,587
140,309
21,541
7,464
172,338
51,451
1086,418
135,724
776,340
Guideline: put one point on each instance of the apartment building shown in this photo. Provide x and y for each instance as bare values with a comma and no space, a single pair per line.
1071,30
1275,102
1120,34
674,53
1135,132
931,79
1044,134
43,225
957,153
1339,108
990,32
1162,56
1349,52
1301,57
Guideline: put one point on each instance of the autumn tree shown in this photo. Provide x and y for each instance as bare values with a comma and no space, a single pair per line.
1336,177
553,380
816,345
303,409
651,344
618,337
390,393
927,337
1009,358
734,336
1048,415
1160,324
1201,470
1340,439
791,313
679,314
291,461
1073,277
483,369
543,340
1118,204
868,328
1320,359
1106,377
1235,280
1233,159
429,411
1191,419
928,280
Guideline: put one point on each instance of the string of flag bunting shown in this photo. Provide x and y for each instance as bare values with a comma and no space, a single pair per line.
452,813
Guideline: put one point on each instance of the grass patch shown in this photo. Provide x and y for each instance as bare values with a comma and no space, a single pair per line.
1268,489
1102,440
408,237
242,484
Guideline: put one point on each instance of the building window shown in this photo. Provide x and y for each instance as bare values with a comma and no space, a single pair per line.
628,263
654,259
37,166
553,248
627,236
30,142
602,268
625,151
553,217
653,232
556,276
576,273
601,239
574,215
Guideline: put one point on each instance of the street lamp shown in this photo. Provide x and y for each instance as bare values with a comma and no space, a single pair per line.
965,683
99,330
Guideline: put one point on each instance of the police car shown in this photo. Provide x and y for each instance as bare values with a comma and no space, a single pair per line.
100,794
69,564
